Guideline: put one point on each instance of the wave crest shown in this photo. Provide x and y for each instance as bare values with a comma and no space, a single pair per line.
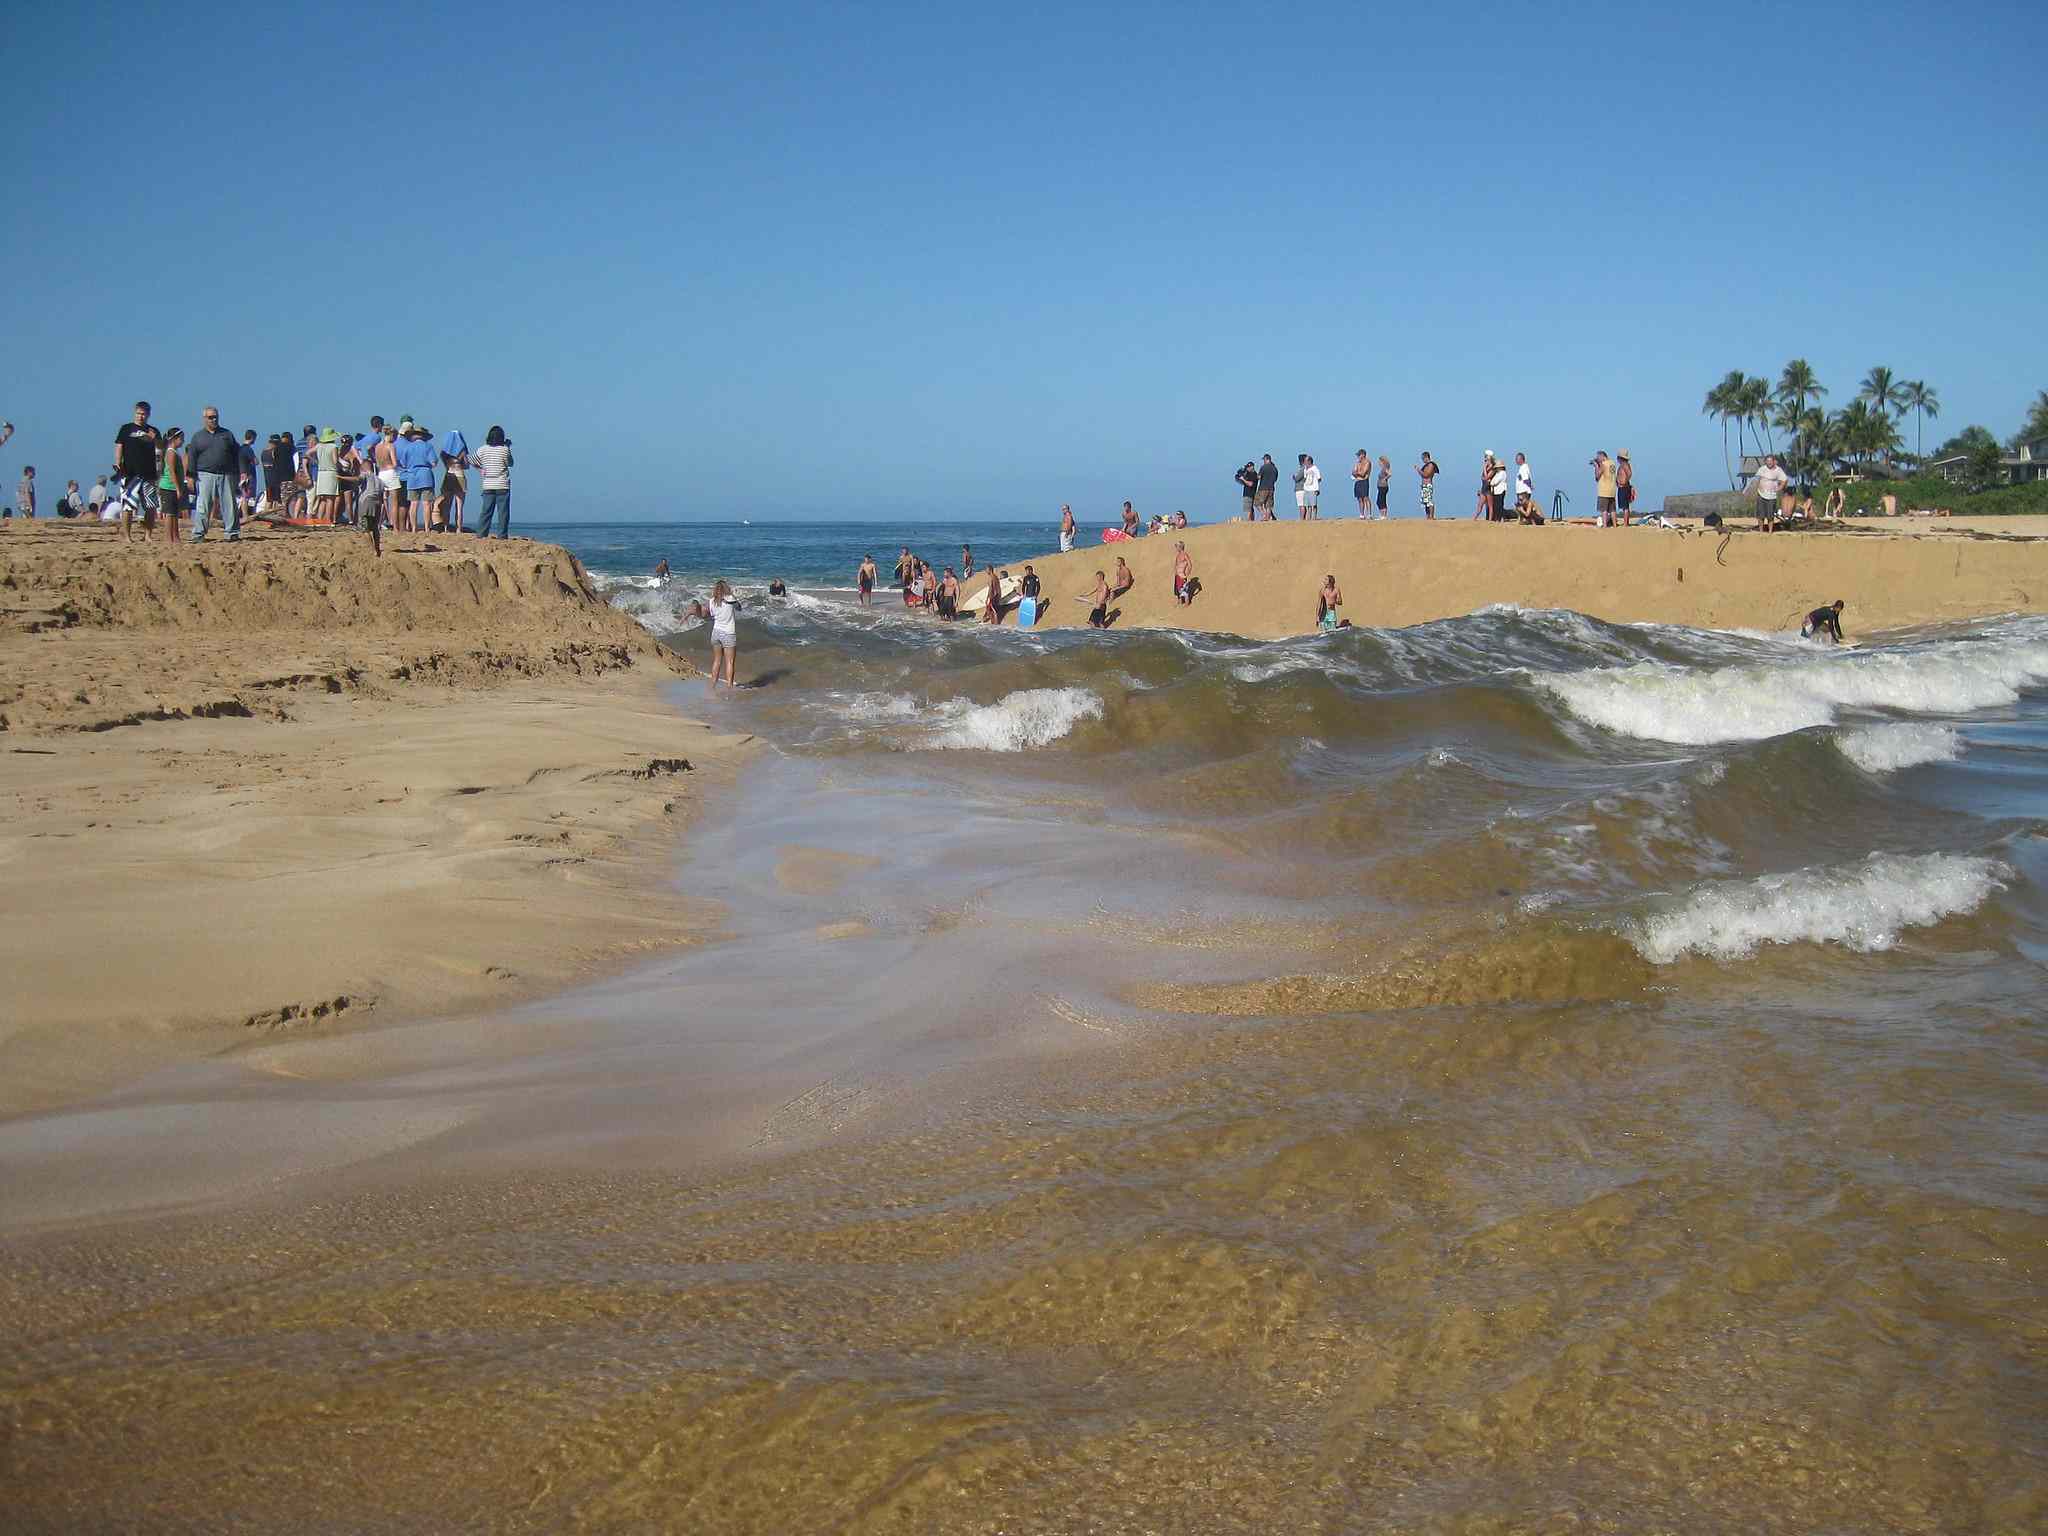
1862,906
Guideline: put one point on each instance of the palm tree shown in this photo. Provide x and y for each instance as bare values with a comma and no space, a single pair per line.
1754,402
1920,398
1720,404
1853,428
1797,384
1882,392
1823,437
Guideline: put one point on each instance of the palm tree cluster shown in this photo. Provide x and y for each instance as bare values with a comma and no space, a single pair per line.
1866,428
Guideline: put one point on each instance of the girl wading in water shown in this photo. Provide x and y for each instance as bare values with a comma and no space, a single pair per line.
725,633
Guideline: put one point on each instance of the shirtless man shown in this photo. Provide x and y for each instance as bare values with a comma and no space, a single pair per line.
1124,580
966,561
1183,574
661,571
949,595
1328,600
1427,470
1066,528
1130,521
864,578
1098,603
992,609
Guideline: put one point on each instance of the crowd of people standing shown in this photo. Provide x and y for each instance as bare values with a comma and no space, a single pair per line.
1258,480
394,476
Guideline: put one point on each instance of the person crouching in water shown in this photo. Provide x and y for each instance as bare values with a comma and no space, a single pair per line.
1827,621
725,633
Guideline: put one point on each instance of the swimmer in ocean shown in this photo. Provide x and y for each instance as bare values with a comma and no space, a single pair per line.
1824,620
661,571
865,579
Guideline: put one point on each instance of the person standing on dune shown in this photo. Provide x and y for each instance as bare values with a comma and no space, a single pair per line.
1248,482
1426,471
138,447
1269,482
1066,528
1361,483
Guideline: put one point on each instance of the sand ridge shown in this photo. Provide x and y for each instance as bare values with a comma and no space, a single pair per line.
1260,580
290,787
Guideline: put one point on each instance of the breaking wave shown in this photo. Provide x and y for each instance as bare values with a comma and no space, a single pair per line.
1660,702
1861,906
1887,748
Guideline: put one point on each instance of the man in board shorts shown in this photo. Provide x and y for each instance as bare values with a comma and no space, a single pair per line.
1427,470
137,447
865,579
1269,478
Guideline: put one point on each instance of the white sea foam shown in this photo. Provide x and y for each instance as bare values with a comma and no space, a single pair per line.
1748,703
1886,748
1861,906
1034,717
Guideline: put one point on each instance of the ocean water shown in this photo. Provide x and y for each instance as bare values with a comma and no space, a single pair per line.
1516,1073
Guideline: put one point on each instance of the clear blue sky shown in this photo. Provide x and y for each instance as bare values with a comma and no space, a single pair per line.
962,261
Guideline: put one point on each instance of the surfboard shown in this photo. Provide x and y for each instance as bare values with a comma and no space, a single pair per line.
1027,613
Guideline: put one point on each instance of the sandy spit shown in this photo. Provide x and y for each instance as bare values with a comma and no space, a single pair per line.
1260,580
286,786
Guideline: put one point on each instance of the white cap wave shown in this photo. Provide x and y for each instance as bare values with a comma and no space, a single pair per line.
1749,703
1888,748
1861,906
1017,722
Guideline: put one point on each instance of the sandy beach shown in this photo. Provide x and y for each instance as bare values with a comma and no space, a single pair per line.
1260,580
288,787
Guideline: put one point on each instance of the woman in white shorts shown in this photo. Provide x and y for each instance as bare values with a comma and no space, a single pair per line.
725,633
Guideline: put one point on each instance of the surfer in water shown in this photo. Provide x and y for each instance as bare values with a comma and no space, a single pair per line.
661,573
1826,621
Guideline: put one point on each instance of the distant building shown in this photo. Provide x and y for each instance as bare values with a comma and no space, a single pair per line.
2029,464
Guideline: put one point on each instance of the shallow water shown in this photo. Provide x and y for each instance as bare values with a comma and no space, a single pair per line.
1520,1073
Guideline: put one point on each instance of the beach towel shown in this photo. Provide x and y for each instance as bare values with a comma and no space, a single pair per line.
454,446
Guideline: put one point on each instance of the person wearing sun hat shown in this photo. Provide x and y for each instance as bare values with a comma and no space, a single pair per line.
1624,485
326,476
417,462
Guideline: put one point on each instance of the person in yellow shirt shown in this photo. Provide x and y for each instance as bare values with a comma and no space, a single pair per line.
1603,487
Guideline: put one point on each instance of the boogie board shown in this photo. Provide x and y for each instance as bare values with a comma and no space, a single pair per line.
1027,613
1114,535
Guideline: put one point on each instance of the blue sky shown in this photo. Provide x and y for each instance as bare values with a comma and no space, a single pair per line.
958,261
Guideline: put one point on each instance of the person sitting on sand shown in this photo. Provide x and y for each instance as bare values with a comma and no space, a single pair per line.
725,634
1184,584
1124,580
1824,621
864,579
1837,500
1098,603
1328,600
1179,520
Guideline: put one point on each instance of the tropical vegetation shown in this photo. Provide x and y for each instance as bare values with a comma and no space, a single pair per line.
1866,432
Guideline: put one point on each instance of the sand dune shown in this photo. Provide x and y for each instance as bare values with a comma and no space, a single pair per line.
287,786
1260,580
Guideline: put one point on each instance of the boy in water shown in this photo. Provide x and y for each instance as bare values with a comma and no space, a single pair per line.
1826,621
865,579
